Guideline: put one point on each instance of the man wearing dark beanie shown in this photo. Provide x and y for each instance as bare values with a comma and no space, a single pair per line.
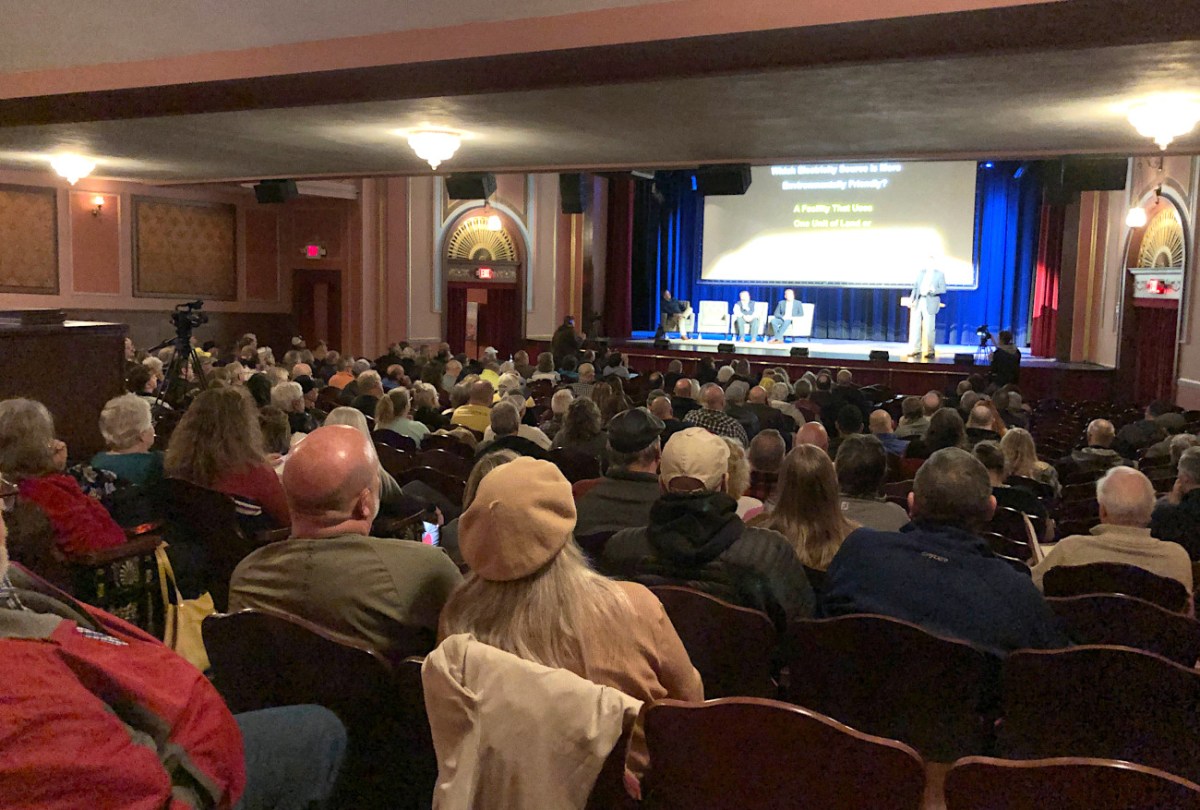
623,497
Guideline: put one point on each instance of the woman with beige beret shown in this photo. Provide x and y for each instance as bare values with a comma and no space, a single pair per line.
531,592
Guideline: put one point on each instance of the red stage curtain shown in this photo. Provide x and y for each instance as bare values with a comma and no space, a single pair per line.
500,320
619,263
456,317
1043,338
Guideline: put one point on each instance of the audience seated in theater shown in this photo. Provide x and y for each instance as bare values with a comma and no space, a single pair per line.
448,539
765,456
532,593
503,432
993,460
394,412
344,374
568,370
1097,456
553,418
981,425
861,466
883,428
849,422
674,374
218,445
737,481
52,510
725,375
128,431
735,406
777,397
259,385
803,401
1126,500
369,590
311,387
477,411
1147,431
938,572
696,538
945,430
544,371
529,433
706,371
394,500
453,372
660,405
288,397
1002,399
913,420
812,433
587,378
712,417
1020,454
623,497
809,510
277,436
1177,517
1179,445
683,401
1175,425
140,381
109,717
426,408
617,400
616,365
369,388
582,430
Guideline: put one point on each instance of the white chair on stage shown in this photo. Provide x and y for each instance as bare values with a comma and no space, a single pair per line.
713,316
802,326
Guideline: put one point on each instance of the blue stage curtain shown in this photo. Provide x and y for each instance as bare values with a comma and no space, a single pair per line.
668,236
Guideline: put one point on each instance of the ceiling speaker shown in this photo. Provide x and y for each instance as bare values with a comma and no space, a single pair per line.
275,191
715,180
799,351
964,359
471,186
1094,174
572,192
725,348
880,356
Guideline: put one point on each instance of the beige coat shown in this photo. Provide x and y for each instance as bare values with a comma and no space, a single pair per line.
510,733
1127,545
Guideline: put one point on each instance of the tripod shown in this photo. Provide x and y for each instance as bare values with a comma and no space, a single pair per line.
173,389
983,355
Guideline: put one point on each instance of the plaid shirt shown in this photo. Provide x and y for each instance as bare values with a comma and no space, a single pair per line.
718,423
582,390
762,485
8,595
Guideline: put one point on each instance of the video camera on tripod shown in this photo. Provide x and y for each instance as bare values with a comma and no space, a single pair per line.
175,384
186,317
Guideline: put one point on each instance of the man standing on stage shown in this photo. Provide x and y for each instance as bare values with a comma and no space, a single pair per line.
785,312
744,322
924,302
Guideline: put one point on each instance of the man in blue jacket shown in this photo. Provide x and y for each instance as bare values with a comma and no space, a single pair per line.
937,572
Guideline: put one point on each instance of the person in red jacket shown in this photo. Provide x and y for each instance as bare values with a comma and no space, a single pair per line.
98,714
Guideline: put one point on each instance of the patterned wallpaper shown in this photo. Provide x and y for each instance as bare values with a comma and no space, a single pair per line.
184,249
28,240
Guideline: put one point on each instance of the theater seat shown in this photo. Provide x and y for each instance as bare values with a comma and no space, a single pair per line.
741,753
1130,622
1077,580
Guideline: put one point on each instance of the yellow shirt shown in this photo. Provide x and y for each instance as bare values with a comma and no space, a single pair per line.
475,417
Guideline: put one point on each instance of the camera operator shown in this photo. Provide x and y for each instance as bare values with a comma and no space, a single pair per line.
1006,360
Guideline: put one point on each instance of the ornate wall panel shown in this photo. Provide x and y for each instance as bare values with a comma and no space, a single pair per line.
28,240
184,250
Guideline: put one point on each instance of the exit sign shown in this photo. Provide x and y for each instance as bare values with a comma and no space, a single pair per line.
314,252
484,273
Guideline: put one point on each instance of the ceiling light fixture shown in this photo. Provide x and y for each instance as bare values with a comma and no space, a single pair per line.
435,146
1136,218
72,167
494,223
1164,118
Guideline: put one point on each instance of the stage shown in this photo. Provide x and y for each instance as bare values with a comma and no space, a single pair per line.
1040,376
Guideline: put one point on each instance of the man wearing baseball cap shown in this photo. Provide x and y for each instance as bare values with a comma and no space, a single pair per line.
623,497
695,537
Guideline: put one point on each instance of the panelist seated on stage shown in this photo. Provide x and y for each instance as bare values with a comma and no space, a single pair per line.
676,315
786,311
746,323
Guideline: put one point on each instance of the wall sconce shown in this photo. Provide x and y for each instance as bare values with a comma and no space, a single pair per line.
97,205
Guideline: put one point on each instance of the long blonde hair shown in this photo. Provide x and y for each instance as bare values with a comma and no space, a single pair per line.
737,479
809,511
218,434
1020,452
549,617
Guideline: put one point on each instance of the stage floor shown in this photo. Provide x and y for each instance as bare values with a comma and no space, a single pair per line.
834,350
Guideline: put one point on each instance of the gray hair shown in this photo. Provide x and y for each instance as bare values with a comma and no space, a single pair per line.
508,382
1181,444
1189,464
1127,496
736,393
1101,432
352,417
368,380
124,420
505,420
288,397
154,364
360,366
780,392
561,400
424,395
26,433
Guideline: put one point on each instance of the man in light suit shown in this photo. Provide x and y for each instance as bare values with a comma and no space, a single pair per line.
785,312
924,302
745,324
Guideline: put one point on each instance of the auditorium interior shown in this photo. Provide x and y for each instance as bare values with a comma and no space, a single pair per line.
447,197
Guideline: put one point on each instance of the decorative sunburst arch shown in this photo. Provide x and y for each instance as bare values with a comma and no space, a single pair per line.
1163,243
473,241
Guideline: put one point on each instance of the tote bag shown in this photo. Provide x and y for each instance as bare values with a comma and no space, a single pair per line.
183,616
